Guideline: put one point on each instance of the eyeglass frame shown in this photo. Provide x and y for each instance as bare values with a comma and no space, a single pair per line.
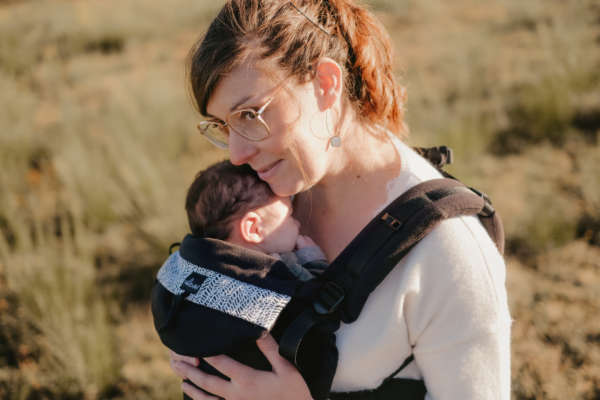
204,125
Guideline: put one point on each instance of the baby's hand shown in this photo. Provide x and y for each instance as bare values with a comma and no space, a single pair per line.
304,241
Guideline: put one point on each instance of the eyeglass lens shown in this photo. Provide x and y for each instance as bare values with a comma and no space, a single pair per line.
245,123
217,134
248,124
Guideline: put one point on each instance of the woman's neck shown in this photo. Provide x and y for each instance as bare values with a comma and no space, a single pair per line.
343,202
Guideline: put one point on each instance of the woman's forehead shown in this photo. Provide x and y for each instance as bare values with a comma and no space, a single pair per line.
244,83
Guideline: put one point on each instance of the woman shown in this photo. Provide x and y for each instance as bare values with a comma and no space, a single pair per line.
304,93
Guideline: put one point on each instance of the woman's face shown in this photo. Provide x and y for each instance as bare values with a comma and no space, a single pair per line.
294,156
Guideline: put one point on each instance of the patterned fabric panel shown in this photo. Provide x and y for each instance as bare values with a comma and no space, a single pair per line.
223,293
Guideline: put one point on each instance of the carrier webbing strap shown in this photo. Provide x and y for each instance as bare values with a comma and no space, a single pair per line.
378,248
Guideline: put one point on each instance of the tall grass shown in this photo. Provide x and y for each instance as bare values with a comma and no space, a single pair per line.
521,74
50,30
72,348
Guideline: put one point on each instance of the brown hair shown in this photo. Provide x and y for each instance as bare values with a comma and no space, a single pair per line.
220,194
296,34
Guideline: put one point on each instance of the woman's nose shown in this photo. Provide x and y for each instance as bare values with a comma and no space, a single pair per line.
241,150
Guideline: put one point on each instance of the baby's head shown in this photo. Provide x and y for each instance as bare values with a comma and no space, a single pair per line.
231,203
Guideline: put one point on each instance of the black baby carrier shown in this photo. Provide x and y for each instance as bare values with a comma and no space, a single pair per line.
252,292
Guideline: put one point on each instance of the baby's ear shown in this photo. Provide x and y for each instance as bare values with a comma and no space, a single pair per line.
250,228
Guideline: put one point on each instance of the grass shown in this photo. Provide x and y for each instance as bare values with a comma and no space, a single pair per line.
65,340
97,147
34,32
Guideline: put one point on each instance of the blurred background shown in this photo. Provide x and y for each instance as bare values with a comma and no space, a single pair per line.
98,145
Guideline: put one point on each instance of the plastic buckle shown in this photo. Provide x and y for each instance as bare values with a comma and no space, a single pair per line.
448,155
329,298
487,210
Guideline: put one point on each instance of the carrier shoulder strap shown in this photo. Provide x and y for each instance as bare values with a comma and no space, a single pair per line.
378,248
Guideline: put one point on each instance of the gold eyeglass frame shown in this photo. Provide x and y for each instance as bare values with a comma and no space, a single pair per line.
205,125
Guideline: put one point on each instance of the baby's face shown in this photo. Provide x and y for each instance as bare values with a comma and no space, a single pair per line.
280,229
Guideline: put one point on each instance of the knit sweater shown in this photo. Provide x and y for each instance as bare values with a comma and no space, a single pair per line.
445,303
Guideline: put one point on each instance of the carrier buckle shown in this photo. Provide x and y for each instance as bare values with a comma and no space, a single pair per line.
329,298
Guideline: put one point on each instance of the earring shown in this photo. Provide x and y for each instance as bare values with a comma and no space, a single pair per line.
321,92
335,141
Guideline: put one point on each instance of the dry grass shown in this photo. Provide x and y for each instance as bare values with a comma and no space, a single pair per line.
97,146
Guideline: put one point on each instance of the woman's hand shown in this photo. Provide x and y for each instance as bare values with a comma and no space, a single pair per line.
283,382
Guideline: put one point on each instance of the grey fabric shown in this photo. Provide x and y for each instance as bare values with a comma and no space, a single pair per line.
309,254
290,259
298,261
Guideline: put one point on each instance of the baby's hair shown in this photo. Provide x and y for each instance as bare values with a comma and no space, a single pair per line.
220,194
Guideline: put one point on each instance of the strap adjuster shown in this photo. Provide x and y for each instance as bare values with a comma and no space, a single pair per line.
391,221
329,298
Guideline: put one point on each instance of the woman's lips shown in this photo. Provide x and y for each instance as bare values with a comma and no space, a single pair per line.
269,171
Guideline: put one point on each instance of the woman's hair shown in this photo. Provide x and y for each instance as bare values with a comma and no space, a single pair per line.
296,34
220,194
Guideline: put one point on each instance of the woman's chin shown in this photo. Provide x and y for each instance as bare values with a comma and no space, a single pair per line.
286,188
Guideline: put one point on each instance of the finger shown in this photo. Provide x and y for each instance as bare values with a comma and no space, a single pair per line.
178,357
208,382
195,393
176,369
227,366
270,349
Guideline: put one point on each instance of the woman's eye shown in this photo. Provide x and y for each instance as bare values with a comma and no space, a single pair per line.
248,115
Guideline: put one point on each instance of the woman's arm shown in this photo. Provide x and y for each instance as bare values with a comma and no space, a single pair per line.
283,382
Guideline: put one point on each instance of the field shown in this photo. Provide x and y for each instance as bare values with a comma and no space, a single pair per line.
98,144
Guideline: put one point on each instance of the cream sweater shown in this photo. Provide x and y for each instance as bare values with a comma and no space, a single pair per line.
445,302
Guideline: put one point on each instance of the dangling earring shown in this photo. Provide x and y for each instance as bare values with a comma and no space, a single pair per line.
335,140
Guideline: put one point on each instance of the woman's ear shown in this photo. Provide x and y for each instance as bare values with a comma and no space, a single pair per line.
250,228
328,82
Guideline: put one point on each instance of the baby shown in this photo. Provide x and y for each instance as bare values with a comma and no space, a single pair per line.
231,203
245,269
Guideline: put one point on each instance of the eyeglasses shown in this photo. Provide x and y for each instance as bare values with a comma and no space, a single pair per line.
246,122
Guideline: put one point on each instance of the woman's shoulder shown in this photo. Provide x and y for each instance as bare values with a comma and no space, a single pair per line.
456,267
457,255
462,240
461,243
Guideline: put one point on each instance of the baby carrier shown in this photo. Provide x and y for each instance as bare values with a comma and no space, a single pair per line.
253,291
